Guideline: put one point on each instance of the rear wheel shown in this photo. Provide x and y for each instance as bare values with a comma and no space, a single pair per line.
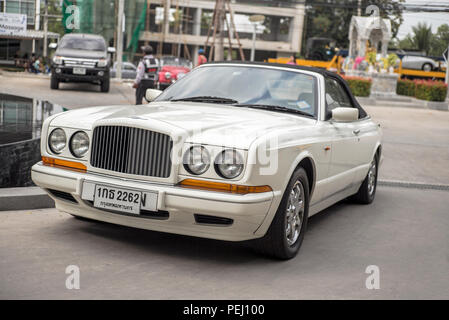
367,190
286,232
105,85
427,67
54,83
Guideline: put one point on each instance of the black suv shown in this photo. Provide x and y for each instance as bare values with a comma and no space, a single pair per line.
81,58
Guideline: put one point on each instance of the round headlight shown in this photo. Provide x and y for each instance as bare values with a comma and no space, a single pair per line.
196,160
79,144
57,140
229,164
102,63
167,75
57,59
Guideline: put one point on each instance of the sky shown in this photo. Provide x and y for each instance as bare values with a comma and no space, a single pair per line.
435,19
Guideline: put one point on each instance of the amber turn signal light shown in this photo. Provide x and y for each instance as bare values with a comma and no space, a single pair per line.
223,187
64,164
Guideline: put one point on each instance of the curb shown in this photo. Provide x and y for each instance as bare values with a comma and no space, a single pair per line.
24,198
413,185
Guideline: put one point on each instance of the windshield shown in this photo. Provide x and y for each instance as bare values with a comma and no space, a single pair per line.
248,85
174,61
83,44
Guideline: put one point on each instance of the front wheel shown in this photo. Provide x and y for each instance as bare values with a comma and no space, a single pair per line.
54,83
286,232
105,85
367,190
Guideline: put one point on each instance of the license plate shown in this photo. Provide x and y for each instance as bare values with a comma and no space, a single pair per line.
79,70
117,199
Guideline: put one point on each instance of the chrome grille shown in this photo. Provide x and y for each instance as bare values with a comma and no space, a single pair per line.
132,151
74,62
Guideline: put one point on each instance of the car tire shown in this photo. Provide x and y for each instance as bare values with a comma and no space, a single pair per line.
105,85
54,83
278,242
427,67
367,190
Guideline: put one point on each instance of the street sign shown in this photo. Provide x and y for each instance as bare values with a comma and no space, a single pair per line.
12,24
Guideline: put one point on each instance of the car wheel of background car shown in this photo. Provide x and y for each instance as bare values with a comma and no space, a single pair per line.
286,232
105,85
367,190
54,83
427,67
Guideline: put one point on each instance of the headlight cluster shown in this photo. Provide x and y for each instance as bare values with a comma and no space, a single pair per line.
228,164
78,146
102,63
57,60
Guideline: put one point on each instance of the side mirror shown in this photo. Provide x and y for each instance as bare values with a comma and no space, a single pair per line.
111,50
152,94
345,114
53,45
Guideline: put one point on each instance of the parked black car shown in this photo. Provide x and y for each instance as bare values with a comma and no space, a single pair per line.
81,58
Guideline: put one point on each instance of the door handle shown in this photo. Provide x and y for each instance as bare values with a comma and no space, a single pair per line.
356,131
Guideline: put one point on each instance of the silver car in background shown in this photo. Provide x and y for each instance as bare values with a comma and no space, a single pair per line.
129,70
418,63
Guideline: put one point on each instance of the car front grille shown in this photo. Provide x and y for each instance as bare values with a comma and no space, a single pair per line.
74,62
131,151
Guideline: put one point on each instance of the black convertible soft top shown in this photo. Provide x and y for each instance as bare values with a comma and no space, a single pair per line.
324,72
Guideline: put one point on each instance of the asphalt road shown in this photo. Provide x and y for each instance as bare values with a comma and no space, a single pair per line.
404,232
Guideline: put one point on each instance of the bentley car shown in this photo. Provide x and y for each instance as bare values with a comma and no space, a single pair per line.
232,151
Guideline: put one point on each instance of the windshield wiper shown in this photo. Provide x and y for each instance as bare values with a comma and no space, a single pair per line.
207,99
274,108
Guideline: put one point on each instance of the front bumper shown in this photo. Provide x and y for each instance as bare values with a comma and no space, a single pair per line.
92,74
247,211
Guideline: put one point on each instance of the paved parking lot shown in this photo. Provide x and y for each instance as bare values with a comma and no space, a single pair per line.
404,232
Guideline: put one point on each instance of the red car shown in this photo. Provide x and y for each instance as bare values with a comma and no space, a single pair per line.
171,69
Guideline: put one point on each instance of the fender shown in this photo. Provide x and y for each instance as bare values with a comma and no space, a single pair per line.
280,193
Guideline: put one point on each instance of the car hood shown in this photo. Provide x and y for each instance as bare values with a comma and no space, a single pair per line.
201,123
86,54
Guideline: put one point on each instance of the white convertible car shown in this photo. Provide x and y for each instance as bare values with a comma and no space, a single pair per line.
233,151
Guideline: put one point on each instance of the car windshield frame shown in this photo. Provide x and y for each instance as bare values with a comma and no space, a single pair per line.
101,45
314,78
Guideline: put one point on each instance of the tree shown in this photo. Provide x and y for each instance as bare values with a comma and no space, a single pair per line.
422,36
440,41
331,18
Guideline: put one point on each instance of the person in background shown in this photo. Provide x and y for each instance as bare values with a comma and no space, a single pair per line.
201,57
144,80
292,60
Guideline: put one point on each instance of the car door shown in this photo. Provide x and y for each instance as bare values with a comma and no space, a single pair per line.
344,139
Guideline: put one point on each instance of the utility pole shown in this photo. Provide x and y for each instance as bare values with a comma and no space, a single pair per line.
219,51
446,57
121,9
45,28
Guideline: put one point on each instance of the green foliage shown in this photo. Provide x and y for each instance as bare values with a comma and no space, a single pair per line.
406,88
422,36
371,57
360,87
430,90
422,89
331,18
423,39
440,40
